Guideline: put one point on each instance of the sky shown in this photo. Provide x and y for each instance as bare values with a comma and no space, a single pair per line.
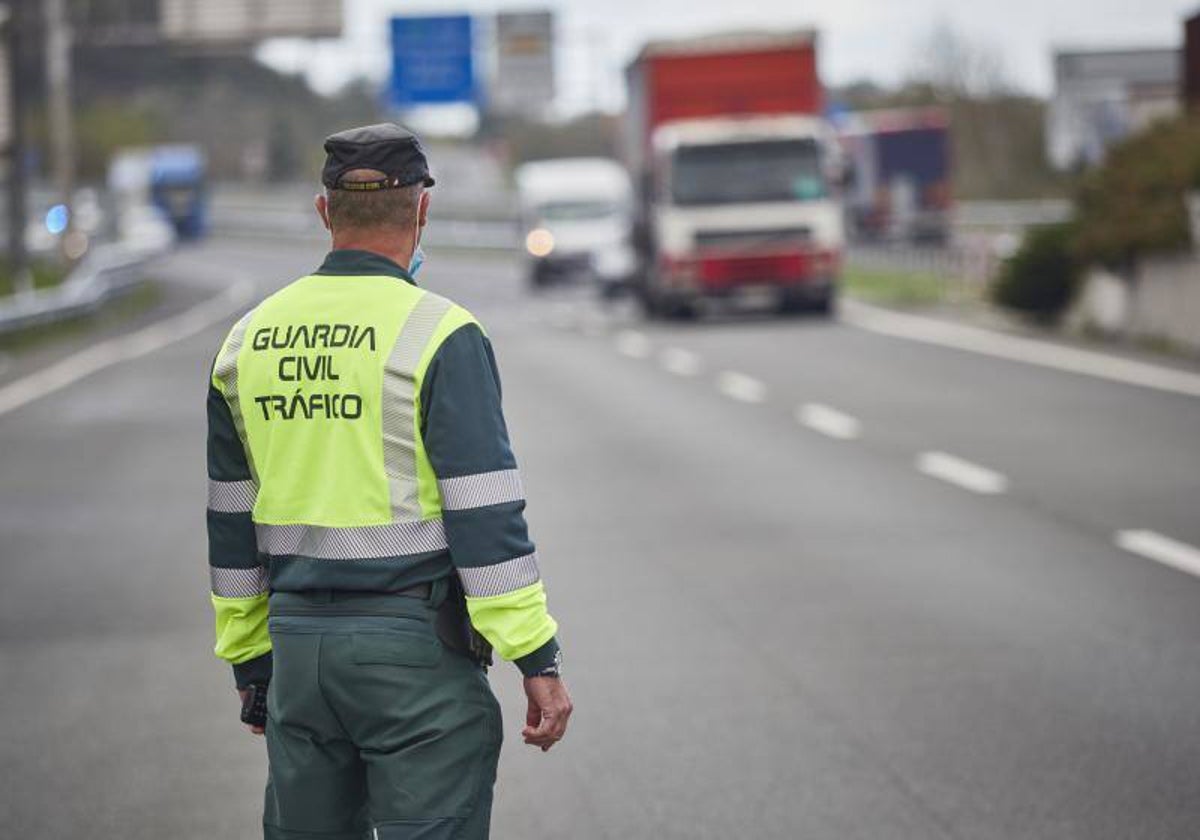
860,39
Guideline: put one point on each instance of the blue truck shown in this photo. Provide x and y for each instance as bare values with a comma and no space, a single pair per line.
899,185
171,178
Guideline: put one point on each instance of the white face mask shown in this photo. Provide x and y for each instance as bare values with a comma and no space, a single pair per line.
418,260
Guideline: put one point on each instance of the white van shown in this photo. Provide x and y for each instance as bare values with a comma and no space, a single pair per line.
577,218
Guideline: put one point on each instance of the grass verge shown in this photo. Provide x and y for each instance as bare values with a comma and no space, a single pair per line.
45,275
895,288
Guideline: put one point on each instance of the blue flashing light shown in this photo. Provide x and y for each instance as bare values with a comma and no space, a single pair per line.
56,218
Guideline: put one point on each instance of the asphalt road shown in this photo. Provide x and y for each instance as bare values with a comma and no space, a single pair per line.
772,630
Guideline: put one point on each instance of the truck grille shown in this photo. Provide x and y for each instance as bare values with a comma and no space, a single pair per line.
741,241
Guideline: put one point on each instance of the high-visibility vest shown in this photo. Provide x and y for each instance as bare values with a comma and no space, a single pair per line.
323,380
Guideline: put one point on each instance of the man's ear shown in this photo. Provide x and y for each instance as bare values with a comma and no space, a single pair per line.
322,205
423,208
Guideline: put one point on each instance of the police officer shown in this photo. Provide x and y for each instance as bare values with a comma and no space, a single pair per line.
367,543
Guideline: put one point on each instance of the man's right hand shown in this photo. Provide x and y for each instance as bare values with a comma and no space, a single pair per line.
254,730
549,708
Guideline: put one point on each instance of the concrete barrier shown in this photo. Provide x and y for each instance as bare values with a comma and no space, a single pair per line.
1162,303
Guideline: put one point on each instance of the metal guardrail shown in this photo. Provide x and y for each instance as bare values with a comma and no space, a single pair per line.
107,271
268,218
1009,215
965,272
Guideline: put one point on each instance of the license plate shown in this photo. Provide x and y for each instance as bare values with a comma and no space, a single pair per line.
757,295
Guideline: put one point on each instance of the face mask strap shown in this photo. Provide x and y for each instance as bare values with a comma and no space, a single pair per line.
418,256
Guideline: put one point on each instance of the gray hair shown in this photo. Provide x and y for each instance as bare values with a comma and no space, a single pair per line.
372,209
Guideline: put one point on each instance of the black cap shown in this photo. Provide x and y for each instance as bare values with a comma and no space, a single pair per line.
385,147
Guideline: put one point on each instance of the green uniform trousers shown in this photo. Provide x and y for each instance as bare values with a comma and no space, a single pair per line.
374,728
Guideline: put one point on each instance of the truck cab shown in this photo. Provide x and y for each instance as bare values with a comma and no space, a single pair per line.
576,218
744,206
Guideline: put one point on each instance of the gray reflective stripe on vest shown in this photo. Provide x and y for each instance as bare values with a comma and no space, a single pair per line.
399,403
481,490
225,370
238,583
231,496
354,543
499,578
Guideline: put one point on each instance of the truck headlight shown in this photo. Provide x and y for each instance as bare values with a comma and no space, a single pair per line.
539,242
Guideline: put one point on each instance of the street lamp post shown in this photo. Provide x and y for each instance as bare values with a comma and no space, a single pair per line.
62,129
13,20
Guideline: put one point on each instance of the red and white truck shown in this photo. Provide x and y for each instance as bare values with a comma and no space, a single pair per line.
736,171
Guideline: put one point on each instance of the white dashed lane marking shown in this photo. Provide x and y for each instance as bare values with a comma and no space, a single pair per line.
679,361
828,421
740,387
1162,549
961,472
633,344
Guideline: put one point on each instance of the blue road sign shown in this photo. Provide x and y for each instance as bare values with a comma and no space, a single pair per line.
432,61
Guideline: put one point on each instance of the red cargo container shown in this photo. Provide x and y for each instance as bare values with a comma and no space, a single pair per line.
719,76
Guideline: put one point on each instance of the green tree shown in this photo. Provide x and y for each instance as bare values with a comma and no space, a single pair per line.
1134,204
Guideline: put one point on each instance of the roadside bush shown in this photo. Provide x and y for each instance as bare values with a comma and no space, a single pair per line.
1041,277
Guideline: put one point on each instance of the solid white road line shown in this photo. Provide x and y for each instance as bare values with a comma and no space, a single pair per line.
828,421
123,348
1018,349
633,344
961,472
740,387
1169,552
680,362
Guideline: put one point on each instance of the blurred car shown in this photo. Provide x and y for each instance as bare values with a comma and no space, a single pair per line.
576,218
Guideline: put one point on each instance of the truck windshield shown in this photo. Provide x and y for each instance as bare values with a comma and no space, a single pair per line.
576,211
775,170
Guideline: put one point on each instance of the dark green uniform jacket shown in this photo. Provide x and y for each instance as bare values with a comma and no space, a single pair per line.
356,442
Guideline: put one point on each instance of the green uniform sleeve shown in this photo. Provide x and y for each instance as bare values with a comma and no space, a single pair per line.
239,580
483,502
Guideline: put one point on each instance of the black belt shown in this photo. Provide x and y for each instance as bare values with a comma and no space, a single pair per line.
444,597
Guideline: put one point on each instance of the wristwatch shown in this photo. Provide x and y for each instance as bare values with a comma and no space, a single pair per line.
555,670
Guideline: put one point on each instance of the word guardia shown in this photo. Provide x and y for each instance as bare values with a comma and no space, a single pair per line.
314,337
298,366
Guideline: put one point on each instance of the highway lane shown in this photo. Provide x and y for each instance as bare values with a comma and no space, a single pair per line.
771,633
1106,456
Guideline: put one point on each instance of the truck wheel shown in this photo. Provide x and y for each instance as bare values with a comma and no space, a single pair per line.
792,303
539,278
826,305
666,308
653,305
